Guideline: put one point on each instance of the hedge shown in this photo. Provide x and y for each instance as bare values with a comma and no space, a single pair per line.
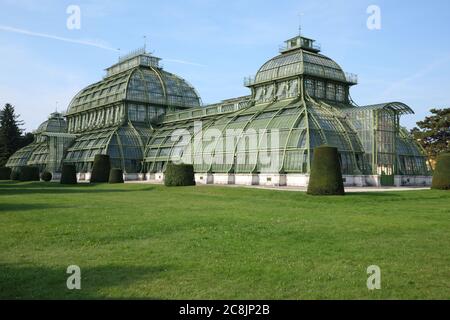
5,173
179,175
116,176
441,176
28,173
15,174
46,176
68,174
326,175
101,169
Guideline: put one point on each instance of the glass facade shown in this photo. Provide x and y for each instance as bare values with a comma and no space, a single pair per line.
299,128
47,150
143,117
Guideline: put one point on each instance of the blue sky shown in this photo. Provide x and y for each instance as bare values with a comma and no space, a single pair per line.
215,44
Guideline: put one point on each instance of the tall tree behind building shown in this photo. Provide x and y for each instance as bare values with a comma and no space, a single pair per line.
433,133
10,133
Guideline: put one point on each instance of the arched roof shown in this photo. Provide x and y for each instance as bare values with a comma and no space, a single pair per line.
124,144
55,124
142,84
300,62
302,126
397,107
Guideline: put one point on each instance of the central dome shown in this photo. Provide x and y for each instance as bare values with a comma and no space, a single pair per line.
301,56
300,62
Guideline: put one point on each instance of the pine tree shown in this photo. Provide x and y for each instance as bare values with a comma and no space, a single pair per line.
26,139
10,133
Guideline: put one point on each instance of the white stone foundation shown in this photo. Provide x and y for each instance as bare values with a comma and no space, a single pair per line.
405,181
56,177
204,178
84,176
297,180
223,178
134,177
272,180
246,179
277,180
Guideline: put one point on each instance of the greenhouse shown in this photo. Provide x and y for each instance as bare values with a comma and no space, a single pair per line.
51,141
144,117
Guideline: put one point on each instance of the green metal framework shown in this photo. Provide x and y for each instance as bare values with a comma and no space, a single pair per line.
389,149
302,125
47,150
124,145
305,97
143,117
115,116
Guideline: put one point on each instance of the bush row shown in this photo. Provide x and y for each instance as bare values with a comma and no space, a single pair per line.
5,173
325,179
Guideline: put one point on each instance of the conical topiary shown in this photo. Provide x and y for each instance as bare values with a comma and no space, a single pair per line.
5,173
68,174
116,176
441,176
326,174
179,175
100,169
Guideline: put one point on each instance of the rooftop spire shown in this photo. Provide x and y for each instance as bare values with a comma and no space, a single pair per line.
300,14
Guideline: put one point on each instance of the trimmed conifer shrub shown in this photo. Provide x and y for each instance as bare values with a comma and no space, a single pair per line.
116,176
441,176
46,176
15,174
69,174
179,175
5,173
326,174
28,173
101,169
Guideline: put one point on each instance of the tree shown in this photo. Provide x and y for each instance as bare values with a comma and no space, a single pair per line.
26,139
433,133
10,133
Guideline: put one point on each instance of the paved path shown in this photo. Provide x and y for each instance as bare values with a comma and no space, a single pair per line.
303,189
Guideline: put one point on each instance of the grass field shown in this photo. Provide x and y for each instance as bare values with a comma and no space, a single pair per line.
146,241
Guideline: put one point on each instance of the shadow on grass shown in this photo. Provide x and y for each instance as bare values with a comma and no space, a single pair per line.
36,282
17,207
21,188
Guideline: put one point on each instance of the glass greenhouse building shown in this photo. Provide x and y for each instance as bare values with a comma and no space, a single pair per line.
144,117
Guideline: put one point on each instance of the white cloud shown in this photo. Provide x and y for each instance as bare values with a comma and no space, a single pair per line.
96,44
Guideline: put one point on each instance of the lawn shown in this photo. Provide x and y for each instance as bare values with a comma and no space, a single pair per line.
150,242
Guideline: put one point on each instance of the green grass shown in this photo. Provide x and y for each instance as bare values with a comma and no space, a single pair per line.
152,242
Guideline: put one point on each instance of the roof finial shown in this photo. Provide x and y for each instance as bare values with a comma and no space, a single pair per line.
300,14
56,107
145,43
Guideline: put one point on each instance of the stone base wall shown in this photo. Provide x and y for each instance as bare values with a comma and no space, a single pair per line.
404,181
293,180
